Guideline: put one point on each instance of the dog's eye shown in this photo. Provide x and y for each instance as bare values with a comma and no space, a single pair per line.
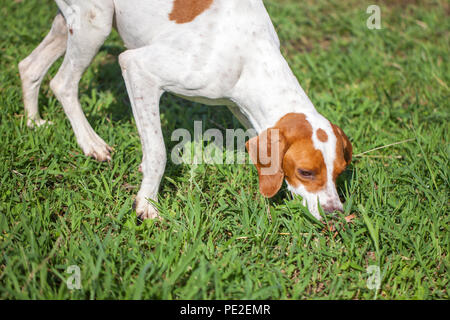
307,174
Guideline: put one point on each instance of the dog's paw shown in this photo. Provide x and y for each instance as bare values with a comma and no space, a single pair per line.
145,210
34,123
97,149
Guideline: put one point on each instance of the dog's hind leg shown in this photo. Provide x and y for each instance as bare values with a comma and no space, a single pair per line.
89,24
34,67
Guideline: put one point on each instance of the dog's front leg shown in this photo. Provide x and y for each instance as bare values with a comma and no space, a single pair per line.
144,91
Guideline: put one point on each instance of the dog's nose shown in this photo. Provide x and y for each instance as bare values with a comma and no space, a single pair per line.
331,208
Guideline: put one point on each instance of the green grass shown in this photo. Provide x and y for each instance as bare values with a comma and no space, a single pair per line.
220,239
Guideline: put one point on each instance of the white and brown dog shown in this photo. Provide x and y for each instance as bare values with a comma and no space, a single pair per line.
218,52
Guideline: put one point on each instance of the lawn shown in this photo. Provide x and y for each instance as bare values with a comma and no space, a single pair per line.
220,239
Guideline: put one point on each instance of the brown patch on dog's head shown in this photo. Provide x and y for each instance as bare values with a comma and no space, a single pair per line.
322,135
344,151
294,157
303,164
185,11
267,151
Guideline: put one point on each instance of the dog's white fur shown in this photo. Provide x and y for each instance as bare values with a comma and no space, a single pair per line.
227,55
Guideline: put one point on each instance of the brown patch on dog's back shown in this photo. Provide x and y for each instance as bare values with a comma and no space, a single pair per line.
185,11
322,135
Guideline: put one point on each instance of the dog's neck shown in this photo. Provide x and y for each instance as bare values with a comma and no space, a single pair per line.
274,91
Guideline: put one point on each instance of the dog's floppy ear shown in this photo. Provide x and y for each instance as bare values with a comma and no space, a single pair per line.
346,144
266,152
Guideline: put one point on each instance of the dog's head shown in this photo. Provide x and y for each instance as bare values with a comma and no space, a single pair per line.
309,152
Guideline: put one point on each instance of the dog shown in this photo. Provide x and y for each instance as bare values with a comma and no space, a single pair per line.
218,52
